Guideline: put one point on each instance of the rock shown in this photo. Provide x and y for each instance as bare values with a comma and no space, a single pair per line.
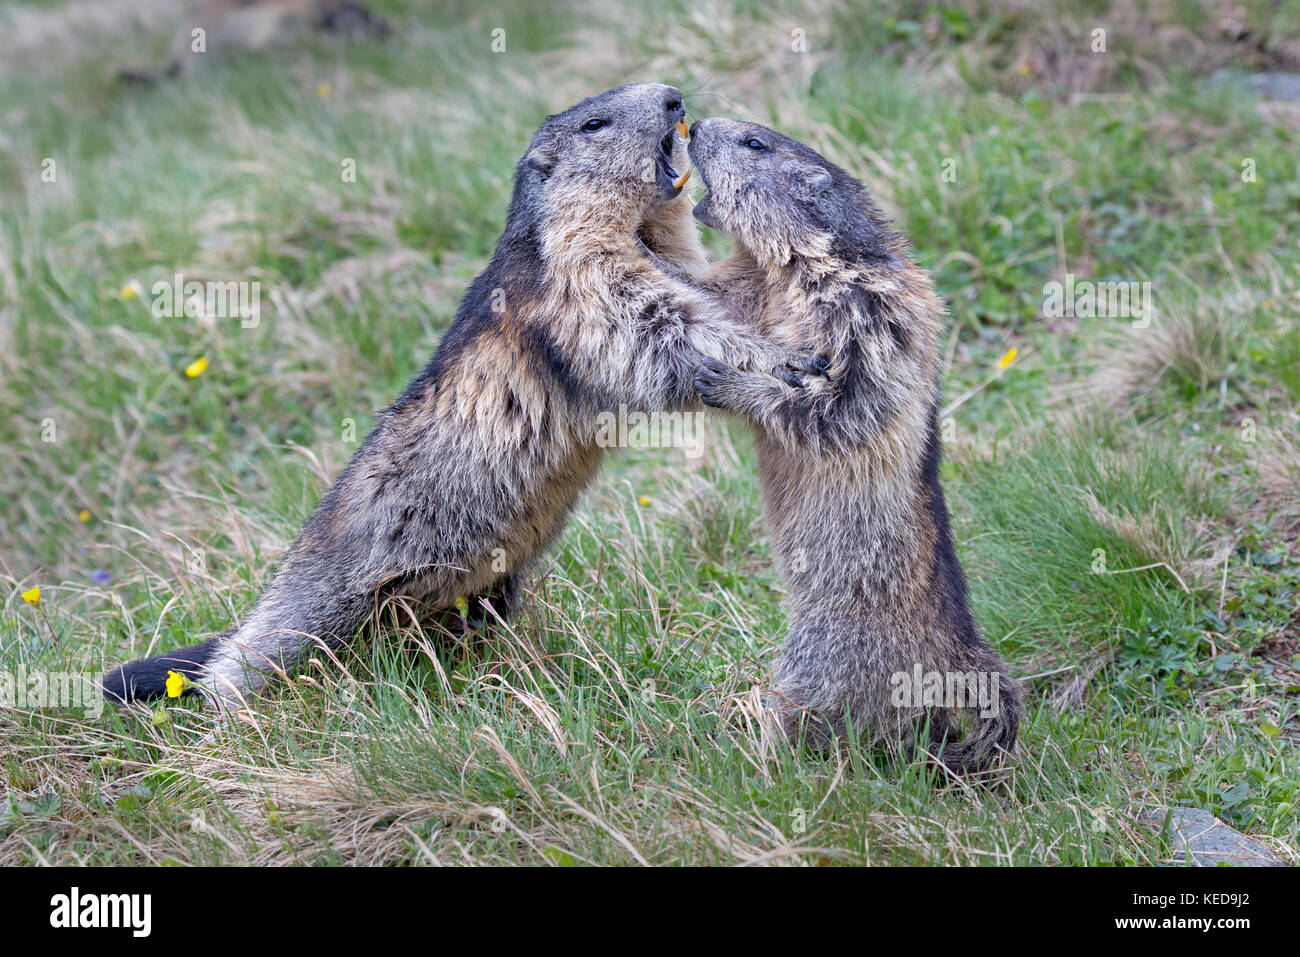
1208,841
1271,86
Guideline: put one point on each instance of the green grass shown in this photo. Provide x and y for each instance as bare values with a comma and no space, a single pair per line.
1124,499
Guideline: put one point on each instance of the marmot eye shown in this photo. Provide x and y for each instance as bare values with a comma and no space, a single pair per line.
592,125
754,144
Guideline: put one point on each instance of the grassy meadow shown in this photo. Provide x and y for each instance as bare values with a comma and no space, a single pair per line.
1126,496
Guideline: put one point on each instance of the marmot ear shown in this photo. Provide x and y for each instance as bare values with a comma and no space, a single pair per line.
809,179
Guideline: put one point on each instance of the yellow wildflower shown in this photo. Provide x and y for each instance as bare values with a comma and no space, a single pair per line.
175,684
197,367
462,606
1009,358
323,89
33,595
84,515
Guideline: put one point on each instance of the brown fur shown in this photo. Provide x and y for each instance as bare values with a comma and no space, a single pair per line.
849,465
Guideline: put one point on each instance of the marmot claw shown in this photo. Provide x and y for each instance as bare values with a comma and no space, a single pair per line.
790,377
709,377
816,364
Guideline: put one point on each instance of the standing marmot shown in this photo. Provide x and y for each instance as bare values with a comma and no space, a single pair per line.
474,470
230,25
881,631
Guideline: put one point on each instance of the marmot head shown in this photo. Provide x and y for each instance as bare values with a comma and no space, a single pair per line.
779,198
612,155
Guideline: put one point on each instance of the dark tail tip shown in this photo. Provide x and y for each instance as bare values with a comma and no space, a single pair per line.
147,677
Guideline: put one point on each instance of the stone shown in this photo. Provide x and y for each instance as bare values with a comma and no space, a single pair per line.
1198,834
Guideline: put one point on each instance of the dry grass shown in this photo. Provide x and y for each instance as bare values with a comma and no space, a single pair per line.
616,721
1189,345
1279,479
31,33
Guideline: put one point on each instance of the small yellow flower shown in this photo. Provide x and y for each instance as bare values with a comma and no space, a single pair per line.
84,515
197,367
131,290
644,500
33,595
462,606
323,89
1009,358
176,683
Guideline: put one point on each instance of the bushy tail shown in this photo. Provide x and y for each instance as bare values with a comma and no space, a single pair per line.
991,736
147,677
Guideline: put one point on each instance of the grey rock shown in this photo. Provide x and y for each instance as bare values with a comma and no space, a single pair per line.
1271,86
1199,835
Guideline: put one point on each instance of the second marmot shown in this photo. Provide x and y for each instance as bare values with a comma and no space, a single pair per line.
850,465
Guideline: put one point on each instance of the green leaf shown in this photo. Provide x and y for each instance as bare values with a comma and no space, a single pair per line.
559,857
1235,794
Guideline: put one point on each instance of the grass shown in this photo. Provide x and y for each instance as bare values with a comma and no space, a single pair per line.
1124,498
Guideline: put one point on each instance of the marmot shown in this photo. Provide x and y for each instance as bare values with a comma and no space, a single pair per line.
473,472
880,623
230,25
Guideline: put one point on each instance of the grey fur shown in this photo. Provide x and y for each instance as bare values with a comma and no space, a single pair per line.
849,464
474,471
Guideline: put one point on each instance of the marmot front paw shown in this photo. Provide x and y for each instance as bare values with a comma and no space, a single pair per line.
790,376
711,377
813,364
